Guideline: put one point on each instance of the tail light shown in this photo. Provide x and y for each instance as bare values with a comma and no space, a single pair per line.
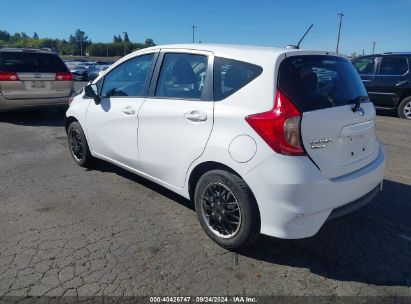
64,76
9,76
280,127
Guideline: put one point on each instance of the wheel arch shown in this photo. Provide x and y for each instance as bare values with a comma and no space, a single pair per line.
68,122
204,167
406,93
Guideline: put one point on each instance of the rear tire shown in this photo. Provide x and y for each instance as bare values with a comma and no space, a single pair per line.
404,109
226,209
78,145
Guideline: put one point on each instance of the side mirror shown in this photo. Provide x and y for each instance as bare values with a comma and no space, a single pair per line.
91,91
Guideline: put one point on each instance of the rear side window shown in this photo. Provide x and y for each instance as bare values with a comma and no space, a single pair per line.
232,75
393,66
315,82
21,62
365,66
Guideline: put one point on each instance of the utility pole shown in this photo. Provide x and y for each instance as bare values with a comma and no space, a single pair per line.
373,47
81,48
194,28
363,53
339,31
124,42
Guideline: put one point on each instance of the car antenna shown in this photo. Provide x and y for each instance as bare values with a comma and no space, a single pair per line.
302,38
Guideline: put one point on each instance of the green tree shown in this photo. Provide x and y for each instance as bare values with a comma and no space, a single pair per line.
4,35
80,41
126,39
117,39
149,42
35,36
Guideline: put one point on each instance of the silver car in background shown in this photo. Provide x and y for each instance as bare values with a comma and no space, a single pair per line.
33,78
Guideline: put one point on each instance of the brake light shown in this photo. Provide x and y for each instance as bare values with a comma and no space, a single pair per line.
9,76
64,76
280,127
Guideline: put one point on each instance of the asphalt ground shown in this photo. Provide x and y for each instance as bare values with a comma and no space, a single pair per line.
66,230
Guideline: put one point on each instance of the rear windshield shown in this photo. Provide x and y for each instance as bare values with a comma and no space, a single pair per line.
316,82
31,62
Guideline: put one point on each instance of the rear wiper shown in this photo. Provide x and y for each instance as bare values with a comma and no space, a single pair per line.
358,101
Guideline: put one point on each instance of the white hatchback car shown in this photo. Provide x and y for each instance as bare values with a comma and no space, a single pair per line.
261,140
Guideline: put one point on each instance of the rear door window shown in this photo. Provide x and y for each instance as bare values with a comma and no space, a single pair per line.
21,62
365,66
232,75
182,76
316,82
393,66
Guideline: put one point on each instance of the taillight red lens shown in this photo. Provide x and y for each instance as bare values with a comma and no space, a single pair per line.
9,76
64,76
280,127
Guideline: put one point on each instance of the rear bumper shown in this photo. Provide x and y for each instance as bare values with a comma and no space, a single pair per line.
16,104
295,199
355,205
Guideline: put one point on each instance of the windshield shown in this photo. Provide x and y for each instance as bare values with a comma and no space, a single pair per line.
316,82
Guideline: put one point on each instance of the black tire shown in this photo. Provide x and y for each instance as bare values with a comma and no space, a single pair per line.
78,146
248,230
404,110
85,77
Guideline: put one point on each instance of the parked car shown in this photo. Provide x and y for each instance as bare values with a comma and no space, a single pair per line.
387,79
95,71
33,78
80,72
261,140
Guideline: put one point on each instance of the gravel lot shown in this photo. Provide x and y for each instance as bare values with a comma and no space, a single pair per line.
65,230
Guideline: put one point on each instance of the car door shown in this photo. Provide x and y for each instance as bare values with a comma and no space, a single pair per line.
391,77
366,68
112,124
176,120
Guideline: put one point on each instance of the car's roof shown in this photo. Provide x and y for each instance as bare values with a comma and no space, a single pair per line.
26,50
386,54
218,47
237,51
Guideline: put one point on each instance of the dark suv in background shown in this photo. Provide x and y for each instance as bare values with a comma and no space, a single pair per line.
388,81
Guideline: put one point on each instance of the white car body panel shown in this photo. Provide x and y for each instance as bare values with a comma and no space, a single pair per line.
295,194
112,129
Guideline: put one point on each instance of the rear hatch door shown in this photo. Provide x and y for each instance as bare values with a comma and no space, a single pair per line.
36,73
326,88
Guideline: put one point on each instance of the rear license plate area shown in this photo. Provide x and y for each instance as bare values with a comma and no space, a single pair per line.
357,146
38,85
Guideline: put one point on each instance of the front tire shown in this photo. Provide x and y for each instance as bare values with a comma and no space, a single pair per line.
404,109
227,210
78,145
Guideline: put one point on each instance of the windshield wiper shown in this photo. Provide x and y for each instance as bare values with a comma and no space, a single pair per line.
358,101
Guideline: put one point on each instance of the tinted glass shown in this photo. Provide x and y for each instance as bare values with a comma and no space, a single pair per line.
182,76
231,75
365,66
31,62
129,78
393,66
317,82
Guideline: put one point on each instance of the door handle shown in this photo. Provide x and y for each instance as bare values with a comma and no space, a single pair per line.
128,110
196,116
400,83
365,80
